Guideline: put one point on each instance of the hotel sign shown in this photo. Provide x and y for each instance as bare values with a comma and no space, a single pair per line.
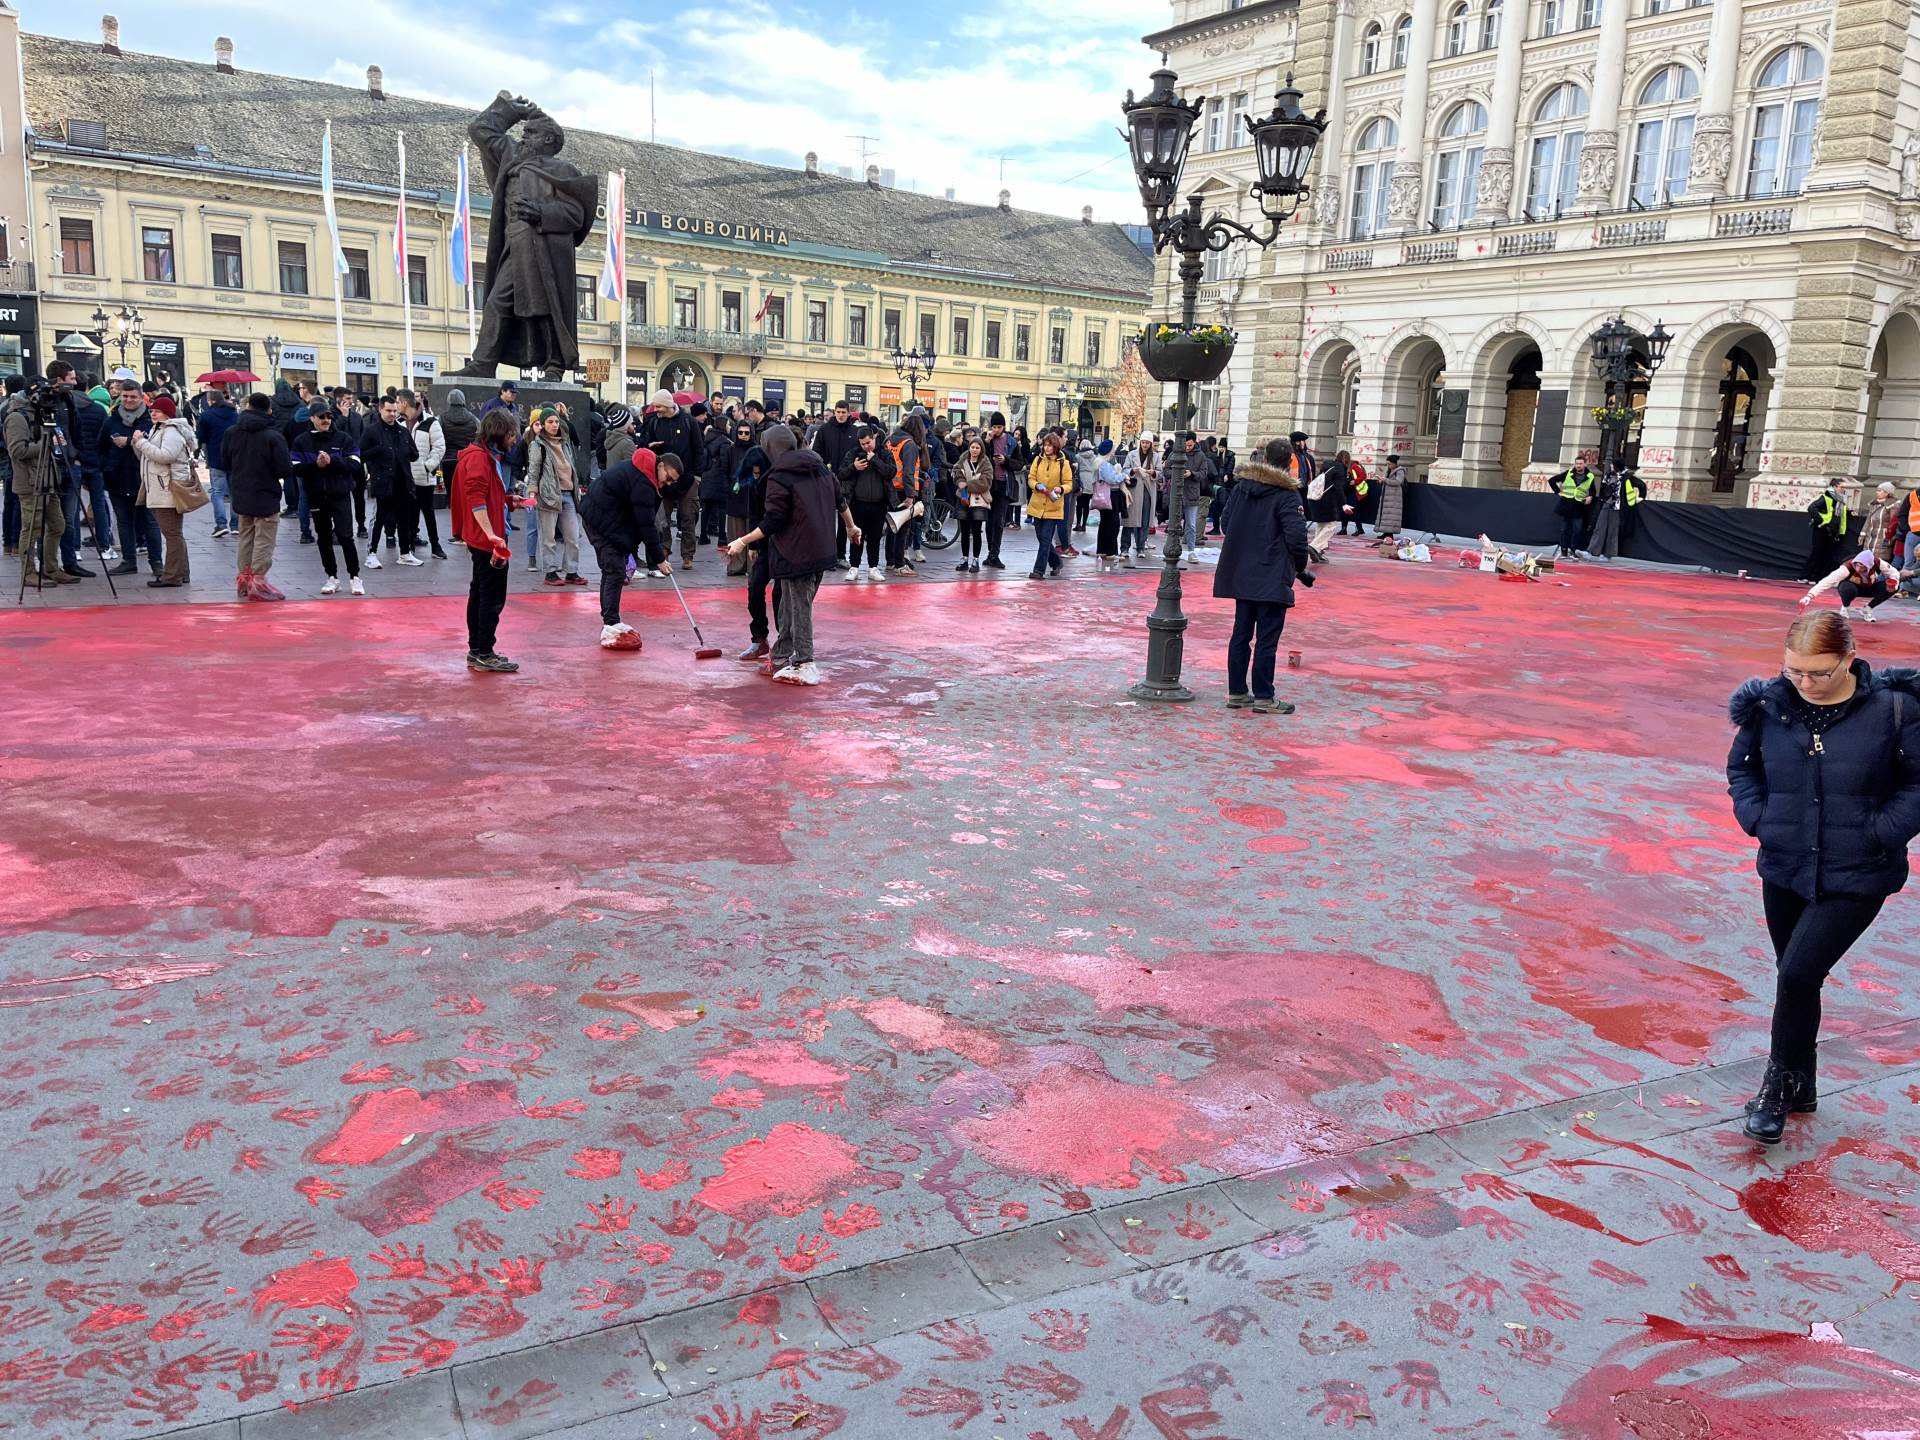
752,232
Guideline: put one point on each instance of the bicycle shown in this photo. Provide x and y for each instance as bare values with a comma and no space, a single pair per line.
940,526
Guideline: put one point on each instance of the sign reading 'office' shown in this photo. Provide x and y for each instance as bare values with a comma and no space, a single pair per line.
749,231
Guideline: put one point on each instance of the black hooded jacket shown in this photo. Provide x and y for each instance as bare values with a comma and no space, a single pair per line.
1266,537
1833,817
257,462
286,408
802,515
619,509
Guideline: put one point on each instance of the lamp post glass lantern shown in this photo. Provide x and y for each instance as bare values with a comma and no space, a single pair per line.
912,366
1159,133
1619,366
271,344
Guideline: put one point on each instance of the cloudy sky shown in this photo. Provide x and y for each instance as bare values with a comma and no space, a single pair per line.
1029,85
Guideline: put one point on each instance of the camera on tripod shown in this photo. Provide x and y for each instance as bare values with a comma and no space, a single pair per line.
42,406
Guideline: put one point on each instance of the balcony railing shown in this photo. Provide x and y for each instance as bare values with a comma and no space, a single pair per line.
1527,242
1630,232
16,275
1777,220
1357,257
1429,252
682,337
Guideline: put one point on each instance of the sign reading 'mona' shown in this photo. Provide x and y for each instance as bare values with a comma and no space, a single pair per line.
700,225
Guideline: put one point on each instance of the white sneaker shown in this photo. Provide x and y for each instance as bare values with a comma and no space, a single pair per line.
879,575
332,587
807,674
855,575
373,561
787,675
1193,557
355,586
1869,616
919,557
407,557
110,554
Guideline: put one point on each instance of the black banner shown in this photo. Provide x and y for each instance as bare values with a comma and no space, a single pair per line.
1549,425
1452,442
165,352
1771,544
816,396
773,394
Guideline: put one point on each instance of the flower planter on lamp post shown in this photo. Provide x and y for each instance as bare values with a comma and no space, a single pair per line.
1198,354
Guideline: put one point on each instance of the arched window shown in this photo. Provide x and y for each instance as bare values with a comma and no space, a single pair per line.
1372,174
1433,389
1663,135
1402,41
1559,135
1456,166
1786,117
1372,43
1459,28
1490,26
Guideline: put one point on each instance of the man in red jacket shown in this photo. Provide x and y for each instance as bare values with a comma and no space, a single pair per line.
477,515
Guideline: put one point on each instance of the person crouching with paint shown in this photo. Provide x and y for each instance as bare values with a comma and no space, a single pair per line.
619,515
1825,774
477,517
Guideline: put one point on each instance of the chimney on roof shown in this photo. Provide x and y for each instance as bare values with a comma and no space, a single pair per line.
376,83
949,192
223,55
813,163
110,34
873,177
1006,200
1086,214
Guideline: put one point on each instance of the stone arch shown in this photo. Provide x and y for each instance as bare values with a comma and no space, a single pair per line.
1574,356
699,368
1687,343
1509,325
1402,380
1890,448
1335,363
1715,392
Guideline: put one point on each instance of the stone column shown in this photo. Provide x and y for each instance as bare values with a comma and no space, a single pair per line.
1865,85
1495,196
1822,391
1329,164
1403,197
1713,131
1599,156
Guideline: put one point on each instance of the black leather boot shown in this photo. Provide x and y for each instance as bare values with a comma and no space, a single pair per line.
1782,1093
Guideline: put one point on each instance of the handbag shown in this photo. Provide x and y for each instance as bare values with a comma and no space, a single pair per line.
196,490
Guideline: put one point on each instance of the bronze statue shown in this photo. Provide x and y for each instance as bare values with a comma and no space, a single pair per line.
543,209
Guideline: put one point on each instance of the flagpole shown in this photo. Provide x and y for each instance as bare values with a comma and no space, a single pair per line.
400,263
339,281
466,261
620,392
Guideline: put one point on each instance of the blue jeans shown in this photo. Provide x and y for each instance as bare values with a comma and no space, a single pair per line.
222,498
1192,513
1046,534
1256,639
1133,538
70,537
102,509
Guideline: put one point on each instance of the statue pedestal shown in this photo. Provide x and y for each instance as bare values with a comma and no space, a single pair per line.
534,395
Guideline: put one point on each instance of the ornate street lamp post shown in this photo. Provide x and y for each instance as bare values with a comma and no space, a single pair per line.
912,366
1618,367
272,345
1159,132
121,330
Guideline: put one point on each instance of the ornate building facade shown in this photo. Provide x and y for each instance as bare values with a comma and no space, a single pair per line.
190,191
1500,177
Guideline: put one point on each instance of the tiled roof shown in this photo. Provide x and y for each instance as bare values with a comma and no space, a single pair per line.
163,107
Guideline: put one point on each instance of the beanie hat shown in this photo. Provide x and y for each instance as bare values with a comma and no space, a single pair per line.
618,417
1298,437
662,397
1105,448
163,405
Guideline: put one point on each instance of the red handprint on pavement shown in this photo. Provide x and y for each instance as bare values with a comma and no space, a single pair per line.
1046,1380
855,1218
1342,1402
1418,1380
1228,1325
808,1251
864,1361
961,1339
937,1397
738,1426
1060,1330
1477,1291
401,1263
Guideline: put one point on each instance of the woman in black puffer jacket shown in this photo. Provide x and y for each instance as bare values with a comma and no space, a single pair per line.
1825,773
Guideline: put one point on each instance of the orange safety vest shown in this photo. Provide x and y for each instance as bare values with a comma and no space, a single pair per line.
1913,512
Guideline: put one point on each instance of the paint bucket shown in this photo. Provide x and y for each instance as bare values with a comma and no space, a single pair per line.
1293,659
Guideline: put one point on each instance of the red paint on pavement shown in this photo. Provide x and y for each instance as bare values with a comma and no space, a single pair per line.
788,1173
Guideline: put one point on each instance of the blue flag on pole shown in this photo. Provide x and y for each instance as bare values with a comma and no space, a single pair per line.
459,250
326,195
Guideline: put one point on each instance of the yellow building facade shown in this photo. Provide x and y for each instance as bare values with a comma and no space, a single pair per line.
225,256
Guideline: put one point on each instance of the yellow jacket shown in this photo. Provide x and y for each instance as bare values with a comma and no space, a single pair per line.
1049,473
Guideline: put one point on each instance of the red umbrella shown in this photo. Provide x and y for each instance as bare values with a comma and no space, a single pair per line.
687,397
228,377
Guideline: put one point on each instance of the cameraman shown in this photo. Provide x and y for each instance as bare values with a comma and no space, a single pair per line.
30,439
81,422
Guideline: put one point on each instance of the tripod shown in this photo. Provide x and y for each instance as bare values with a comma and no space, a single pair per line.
46,491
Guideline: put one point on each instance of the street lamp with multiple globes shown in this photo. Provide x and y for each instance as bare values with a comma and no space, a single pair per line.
1159,132
271,344
912,366
1619,367
121,330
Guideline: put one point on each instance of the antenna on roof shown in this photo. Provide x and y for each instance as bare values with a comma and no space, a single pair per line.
864,151
652,109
